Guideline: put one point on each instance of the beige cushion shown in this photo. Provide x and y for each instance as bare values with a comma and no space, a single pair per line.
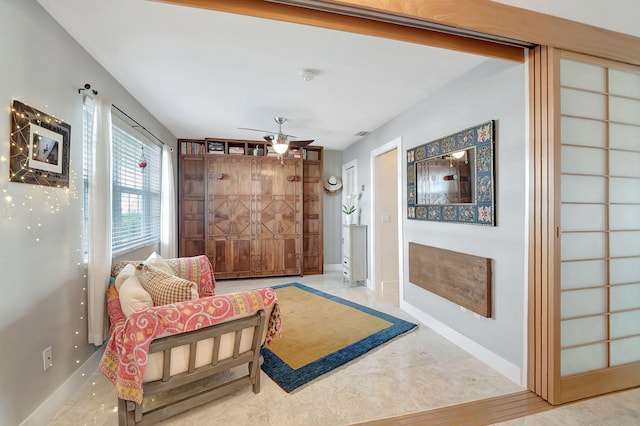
133,297
127,271
166,288
159,262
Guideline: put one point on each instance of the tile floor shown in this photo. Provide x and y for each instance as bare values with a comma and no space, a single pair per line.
415,372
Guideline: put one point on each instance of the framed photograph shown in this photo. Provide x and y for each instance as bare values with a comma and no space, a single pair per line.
40,147
45,149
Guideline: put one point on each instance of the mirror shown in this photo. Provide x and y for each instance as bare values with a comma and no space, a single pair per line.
447,179
451,179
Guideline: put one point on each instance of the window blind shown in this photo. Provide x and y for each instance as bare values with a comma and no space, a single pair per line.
136,191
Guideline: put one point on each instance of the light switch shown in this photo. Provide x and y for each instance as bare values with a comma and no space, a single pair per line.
386,218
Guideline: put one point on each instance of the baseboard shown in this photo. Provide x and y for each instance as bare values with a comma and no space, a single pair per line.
330,267
501,365
61,396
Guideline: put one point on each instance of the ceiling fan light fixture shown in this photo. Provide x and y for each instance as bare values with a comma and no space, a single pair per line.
280,144
280,148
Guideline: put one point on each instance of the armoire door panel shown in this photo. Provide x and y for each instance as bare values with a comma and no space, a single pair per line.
312,197
191,206
230,216
253,206
279,256
230,258
191,247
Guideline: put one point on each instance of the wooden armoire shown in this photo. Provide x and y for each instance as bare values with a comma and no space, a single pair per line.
252,214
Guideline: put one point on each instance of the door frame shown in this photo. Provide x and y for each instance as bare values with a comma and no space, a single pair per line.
396,144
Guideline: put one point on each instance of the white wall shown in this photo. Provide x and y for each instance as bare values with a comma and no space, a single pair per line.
42,283
494,90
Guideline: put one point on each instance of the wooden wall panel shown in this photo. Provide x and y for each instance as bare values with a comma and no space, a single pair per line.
461,278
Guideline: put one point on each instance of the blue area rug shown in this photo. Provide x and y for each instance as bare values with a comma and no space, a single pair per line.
290,378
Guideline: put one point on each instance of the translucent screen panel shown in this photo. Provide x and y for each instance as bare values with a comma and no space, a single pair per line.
583,217
581,75
624,216
583,189
623,136
583,104
624,243
583,245
583,330
624,190
583,302
623,297
585,273
624,110
625,350
624,163
577,131
624,270
583,358
579,160
625,324
624,83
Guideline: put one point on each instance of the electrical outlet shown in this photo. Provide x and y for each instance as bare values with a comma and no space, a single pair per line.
47,358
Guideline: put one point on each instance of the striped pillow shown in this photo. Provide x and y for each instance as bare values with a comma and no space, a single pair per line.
165,288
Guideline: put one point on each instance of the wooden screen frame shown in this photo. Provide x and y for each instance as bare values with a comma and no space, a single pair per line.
488,17
544,268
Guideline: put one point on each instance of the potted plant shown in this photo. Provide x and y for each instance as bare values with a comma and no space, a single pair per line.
350,208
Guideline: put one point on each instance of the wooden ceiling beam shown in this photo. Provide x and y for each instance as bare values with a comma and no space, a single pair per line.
490,17
306,16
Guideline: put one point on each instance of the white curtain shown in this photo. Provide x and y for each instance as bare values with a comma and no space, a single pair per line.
168,246
99,193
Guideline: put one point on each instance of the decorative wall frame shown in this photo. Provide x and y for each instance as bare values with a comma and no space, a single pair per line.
476,146
40,147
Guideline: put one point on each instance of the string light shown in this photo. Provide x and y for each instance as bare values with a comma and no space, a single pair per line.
36,204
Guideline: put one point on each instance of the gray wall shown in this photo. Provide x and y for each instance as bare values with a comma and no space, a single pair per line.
43,283
493,90
332,211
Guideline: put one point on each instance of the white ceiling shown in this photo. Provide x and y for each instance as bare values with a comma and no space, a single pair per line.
204,74
614,15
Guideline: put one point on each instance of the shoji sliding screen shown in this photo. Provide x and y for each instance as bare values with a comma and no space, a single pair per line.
599,232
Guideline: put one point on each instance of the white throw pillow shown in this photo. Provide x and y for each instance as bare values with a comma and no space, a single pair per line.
126,272
158,262
133,297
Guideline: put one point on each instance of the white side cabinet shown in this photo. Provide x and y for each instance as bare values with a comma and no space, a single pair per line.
354,253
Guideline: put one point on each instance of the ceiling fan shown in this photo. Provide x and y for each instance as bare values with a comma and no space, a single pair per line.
280,141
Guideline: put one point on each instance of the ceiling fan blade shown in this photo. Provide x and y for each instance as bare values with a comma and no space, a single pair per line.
268,138
255,130
298,144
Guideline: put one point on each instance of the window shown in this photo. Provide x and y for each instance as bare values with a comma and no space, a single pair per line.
135,193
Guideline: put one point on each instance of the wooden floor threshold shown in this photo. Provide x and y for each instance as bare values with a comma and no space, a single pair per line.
477,413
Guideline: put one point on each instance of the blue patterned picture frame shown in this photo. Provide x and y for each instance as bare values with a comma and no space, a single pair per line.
482,210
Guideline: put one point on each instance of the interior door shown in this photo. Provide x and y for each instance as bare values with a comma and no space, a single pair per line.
387,268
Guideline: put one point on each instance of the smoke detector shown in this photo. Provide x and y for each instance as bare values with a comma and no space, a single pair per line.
307,74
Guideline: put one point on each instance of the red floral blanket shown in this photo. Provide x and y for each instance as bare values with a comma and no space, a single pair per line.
125,356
